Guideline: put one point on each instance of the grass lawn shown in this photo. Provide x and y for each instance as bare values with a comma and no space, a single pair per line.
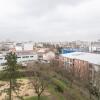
52,90
73,93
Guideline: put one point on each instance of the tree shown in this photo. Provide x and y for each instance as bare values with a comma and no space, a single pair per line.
39,84
96,85
11,72
72,73
93,82
40,79
54,65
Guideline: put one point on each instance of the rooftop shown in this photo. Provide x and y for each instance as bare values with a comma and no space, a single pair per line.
90,57
25,53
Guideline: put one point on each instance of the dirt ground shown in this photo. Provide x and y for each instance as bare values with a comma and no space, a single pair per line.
25,89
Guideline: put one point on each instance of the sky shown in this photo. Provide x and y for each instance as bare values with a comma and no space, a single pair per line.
50,20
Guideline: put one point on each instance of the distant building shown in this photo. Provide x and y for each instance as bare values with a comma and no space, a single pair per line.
26,56
6,46
82,62
22,47
48,56
44,54
28,47
21,57
67,50
95,47
70,50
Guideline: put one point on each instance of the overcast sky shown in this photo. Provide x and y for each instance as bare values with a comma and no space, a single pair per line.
55,20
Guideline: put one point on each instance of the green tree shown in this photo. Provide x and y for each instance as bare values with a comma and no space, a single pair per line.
11,72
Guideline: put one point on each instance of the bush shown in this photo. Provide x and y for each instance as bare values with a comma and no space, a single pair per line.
58,85
59,88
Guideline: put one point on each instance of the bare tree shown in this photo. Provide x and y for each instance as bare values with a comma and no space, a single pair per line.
40,79
39,84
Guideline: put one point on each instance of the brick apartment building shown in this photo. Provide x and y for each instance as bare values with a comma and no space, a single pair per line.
83,64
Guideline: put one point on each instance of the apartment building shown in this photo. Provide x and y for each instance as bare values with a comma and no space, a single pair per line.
82,62
95,47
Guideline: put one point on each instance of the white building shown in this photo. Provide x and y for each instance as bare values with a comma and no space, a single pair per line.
48,56
28,47
2,59
26,56
18,47
95,47
21,57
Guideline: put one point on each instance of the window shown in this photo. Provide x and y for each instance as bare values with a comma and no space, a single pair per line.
2,64
18,57
31,56
1,58
25,57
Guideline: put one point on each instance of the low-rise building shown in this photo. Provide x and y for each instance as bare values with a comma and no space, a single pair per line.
45,54
21,57
26,56
82,62
48,56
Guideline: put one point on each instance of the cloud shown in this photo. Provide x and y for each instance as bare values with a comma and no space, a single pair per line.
50,20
